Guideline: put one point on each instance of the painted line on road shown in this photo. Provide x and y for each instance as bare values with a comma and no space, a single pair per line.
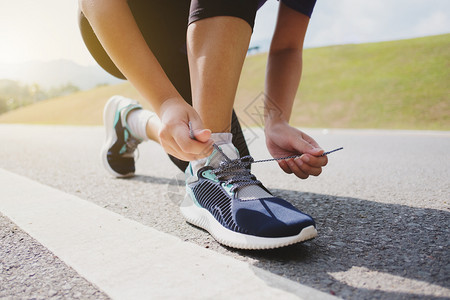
128,260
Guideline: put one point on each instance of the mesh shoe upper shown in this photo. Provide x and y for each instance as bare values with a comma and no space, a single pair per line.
217,189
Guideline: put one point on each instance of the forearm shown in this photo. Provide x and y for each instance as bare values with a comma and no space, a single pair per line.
284,66
115,27
284,69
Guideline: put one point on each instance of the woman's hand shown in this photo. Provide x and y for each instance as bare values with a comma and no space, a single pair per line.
175,115
283,140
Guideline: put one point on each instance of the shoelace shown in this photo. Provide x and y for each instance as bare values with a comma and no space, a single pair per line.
236,172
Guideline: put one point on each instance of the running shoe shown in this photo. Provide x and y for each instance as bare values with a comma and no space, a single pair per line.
118,151
227,200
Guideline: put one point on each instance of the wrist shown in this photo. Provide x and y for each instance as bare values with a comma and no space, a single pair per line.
274,114
273,123
166,103
270,120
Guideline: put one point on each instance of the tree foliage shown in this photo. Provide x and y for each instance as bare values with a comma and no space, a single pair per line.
14,94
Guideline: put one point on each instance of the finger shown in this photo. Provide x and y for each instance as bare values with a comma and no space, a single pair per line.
178,153
312,146
169,150
307,169
310,140
296,170
197,149
283,165
181,147
171,147
192,149
316,151
314,161
190,146
303,146
200,133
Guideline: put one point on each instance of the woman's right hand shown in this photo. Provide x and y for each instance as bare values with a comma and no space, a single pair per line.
175,115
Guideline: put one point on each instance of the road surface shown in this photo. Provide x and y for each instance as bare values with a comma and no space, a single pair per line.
381,207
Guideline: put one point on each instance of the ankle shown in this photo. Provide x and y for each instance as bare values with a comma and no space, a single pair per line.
224,141
221,138
137,123
152,128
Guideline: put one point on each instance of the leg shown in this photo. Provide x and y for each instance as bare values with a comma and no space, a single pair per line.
216,49
201,10
223,197
95,48
163,24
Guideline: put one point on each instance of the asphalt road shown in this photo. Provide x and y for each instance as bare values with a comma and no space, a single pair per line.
381,207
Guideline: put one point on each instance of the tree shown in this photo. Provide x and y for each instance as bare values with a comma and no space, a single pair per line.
62,90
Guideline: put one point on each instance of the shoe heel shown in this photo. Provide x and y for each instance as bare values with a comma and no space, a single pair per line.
110,137
187,201
192,212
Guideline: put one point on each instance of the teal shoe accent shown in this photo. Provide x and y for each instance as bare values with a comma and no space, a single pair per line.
118,151
208,174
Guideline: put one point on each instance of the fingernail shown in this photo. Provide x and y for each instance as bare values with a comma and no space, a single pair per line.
305,158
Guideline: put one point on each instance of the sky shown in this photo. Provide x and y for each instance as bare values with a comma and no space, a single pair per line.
47,29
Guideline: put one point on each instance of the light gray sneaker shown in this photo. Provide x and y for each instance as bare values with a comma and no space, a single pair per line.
118,151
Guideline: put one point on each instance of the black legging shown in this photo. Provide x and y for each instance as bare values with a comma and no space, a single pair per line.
163,24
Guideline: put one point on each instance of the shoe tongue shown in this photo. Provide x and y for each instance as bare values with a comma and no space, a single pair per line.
250,192
228,149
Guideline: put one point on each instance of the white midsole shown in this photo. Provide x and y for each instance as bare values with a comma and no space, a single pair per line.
201,217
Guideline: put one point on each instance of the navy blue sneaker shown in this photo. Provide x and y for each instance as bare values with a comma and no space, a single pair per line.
225,199
118,150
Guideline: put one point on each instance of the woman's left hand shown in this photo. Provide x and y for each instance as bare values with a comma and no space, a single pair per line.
283,140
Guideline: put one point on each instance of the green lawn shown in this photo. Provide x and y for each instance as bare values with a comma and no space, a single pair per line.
400,85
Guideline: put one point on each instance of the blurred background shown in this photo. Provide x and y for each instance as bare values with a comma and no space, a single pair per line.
367,64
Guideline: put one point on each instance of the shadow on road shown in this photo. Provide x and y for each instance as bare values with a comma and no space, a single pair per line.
399,240
406,247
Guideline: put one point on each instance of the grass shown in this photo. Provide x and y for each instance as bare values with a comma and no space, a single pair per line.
82,108
398,85
401,85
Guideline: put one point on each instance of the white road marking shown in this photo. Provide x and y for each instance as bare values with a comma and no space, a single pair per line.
128,260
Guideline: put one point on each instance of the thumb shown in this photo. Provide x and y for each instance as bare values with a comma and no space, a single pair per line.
304,146
200,134
315,151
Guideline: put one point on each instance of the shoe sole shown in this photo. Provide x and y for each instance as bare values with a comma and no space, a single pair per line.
202,218
109,113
